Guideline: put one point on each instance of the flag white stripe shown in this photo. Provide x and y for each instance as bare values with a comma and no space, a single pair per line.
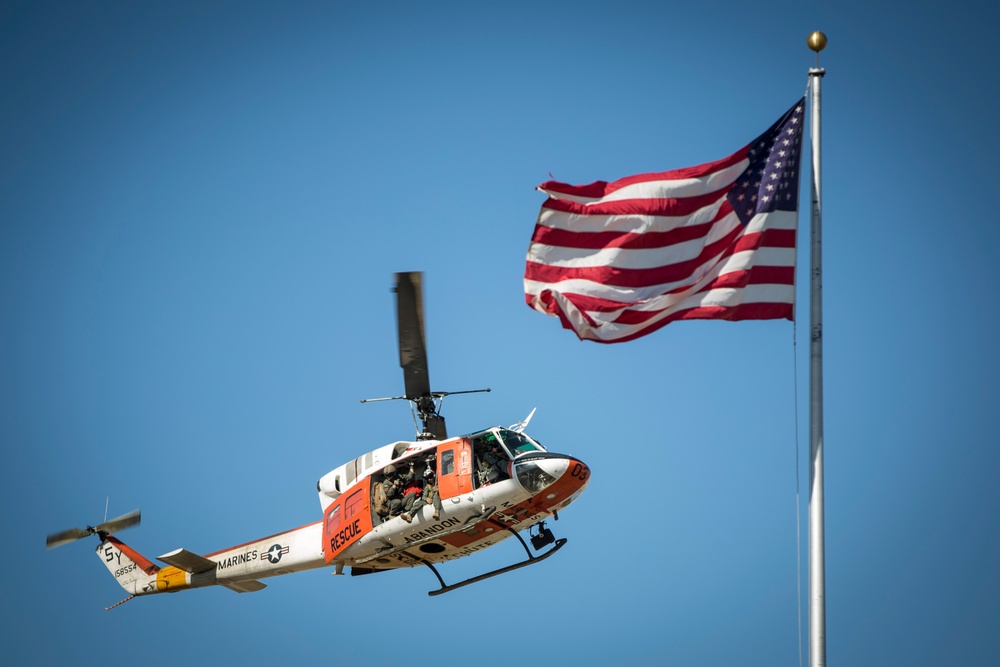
625,222
631,258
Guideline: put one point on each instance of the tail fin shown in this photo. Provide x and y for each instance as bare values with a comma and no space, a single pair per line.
135,573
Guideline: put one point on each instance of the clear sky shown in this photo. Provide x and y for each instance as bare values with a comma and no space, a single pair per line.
201,208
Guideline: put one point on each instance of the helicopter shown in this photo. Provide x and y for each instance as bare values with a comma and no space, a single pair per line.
491,485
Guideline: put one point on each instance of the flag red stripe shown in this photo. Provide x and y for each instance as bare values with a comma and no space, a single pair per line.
626,240
747,311
599,189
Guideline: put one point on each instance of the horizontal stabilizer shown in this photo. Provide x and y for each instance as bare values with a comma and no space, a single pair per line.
245,586
189,562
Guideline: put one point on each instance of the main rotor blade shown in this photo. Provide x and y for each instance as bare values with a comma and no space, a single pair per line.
412,344
120,523
65,537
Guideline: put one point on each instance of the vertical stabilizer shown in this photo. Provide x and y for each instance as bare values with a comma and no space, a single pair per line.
134,572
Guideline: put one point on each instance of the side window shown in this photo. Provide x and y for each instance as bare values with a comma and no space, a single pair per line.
352,506
448,462
333,520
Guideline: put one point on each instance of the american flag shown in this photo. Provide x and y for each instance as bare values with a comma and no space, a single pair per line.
616,261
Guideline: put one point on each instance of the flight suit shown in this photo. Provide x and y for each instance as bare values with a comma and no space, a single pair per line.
431,496
492,463
394,494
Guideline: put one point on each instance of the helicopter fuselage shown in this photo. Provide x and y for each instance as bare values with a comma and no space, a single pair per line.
491,484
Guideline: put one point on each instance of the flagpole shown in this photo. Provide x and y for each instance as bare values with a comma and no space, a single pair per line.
817,566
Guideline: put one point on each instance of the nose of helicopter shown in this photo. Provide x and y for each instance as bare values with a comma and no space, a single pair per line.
555,468
539,472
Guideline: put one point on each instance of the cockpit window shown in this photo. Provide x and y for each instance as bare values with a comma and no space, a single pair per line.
518,443
493,450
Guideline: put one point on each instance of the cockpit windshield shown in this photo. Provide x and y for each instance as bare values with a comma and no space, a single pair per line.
518,443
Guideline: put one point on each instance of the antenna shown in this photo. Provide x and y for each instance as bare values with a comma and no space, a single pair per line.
520,426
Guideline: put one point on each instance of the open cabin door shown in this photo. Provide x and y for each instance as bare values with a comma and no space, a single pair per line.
347,520
454,468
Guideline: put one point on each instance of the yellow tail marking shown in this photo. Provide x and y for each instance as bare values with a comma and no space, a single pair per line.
171,578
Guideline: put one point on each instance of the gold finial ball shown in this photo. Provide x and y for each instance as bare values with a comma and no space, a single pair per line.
817,41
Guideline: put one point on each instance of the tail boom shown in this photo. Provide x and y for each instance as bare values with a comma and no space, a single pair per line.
237,568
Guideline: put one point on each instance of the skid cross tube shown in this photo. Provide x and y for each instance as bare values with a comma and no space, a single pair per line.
445,588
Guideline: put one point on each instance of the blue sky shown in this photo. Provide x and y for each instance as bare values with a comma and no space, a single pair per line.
201,208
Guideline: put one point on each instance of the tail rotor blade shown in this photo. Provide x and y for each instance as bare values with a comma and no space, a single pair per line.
120,523
65,537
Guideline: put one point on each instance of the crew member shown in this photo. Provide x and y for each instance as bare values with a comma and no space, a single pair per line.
413,489
491,463
431,495
393,489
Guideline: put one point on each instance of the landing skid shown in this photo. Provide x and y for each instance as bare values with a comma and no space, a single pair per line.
445,588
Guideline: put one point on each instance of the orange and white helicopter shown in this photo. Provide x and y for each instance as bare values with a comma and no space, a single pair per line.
491,484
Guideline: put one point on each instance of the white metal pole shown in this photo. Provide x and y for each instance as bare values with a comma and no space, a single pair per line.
817,566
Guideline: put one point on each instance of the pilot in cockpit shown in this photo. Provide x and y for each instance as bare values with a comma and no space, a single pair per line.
492,463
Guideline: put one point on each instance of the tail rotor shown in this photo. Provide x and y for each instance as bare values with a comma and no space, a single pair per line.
102,530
